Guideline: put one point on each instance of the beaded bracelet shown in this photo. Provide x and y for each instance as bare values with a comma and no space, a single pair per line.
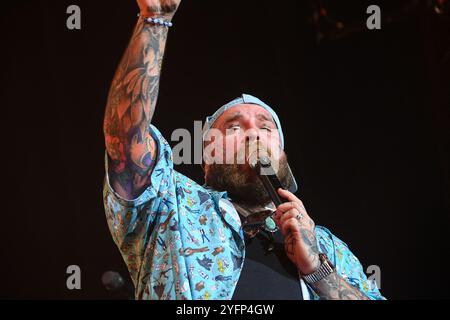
157,21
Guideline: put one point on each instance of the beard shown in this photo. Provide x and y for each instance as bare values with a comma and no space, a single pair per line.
242,183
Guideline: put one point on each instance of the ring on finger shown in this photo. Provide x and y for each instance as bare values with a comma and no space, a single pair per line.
299,216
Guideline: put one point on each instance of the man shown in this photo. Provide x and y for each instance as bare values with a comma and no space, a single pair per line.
181,240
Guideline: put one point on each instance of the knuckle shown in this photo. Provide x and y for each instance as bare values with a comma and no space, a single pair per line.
291,212
292,222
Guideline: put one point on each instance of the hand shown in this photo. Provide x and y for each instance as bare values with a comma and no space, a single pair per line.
158,8
299,233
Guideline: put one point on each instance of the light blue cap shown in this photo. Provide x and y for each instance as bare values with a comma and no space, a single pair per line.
244,99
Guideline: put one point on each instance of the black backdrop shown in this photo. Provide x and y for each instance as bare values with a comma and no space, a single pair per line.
365,118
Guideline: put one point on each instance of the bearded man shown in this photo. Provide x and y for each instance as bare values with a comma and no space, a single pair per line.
225,239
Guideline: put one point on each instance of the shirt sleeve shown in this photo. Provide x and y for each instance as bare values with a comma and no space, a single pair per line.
131,221
346,263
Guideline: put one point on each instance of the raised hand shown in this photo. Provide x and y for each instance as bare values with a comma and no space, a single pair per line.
158,8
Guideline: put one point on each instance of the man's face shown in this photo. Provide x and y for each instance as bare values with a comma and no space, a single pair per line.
238,130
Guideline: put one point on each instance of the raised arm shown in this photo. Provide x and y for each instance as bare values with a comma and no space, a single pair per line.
132,100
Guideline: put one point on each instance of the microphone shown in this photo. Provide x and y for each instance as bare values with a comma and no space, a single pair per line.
260,161
269,178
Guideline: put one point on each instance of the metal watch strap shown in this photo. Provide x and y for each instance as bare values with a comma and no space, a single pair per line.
325,269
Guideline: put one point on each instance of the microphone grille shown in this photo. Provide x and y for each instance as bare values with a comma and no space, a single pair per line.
256,151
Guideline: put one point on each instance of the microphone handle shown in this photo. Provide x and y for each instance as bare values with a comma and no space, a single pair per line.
269,180
272,184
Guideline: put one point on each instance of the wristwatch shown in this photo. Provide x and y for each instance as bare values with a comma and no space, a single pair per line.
326,268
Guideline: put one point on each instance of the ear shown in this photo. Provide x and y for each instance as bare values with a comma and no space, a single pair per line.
205,169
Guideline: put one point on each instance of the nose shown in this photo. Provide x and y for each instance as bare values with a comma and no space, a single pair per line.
252,135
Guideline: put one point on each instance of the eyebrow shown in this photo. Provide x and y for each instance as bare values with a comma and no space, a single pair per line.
263,117
235,116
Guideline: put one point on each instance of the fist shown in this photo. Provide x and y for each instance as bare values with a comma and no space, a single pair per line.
158,8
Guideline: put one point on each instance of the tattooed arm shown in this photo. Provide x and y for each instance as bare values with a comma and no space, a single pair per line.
300,243
334,287
131,102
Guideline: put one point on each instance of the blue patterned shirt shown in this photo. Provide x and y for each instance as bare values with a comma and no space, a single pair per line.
181,240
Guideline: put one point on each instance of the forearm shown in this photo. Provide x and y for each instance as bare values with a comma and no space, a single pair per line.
334,287
134,90
131,104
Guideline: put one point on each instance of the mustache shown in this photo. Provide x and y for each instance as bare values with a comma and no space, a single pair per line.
242,183
252,151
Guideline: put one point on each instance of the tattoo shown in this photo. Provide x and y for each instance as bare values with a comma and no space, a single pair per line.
334,287
307,236
301,245
131,104
289,244
162,7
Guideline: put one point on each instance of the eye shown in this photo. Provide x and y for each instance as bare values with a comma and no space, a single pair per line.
234,127
267,128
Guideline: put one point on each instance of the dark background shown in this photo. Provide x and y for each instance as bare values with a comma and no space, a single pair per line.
365,114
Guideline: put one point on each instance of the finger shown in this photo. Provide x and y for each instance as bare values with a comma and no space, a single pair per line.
289,215
277,222
290,205
284,217
288,195
303,221
277,215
